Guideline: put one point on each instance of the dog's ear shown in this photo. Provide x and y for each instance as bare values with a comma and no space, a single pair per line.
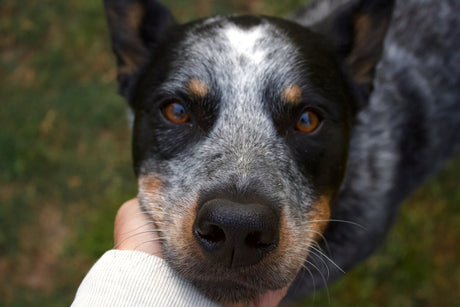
135,28
357,31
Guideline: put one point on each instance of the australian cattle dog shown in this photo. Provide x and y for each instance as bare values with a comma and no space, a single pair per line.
271,151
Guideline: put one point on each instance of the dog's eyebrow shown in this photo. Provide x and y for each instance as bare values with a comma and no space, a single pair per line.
197,88
292,94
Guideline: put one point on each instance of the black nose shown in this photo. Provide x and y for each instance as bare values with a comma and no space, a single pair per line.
235,234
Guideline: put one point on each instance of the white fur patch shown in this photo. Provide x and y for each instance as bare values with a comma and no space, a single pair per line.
245,42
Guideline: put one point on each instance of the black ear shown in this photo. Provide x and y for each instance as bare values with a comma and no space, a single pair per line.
357,31
135,28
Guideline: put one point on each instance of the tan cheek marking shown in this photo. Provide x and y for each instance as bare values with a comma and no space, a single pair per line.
183,237
292,94
301,240
197,89
177,226
285,239
290,254
295,241
150,196
319,217
291,236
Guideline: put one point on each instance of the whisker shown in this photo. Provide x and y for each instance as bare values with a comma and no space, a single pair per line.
322,237
325,256
314,253
339,221
322,277
136,234
139,227
149,241
309,248
312,279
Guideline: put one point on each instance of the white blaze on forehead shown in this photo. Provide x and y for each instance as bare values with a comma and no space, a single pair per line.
245,42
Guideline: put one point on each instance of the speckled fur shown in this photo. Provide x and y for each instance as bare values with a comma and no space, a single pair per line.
242,149
410,127
405,130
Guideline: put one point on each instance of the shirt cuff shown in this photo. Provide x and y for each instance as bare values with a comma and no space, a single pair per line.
133,278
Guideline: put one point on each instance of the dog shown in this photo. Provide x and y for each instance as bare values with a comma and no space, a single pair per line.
271,151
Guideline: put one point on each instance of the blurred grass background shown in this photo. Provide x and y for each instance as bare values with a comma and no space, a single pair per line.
65,167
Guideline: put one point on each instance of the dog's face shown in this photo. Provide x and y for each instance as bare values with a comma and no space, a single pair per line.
240,142
234,112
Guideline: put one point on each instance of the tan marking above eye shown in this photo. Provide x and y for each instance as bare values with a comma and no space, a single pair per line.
292,94
197,88
308,122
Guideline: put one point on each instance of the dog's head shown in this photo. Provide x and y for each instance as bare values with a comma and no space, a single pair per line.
241,133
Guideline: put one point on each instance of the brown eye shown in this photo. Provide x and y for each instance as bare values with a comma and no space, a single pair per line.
176,113
308,122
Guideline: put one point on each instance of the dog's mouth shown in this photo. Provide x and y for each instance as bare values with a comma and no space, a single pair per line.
234,251
245,268
227,290
234,283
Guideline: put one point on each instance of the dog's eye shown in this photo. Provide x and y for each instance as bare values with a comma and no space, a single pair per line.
175,113
308,122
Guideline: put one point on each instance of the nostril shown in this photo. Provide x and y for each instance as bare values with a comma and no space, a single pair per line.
211,233
256,240
253,239
236,234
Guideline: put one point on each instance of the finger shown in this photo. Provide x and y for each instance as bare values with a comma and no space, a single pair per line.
135,230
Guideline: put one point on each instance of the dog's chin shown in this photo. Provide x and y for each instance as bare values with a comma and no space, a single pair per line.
226,285
226,291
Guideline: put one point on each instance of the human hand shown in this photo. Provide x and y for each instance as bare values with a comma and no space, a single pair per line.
135,230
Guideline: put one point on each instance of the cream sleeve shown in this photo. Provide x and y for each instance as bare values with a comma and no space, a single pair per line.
132,278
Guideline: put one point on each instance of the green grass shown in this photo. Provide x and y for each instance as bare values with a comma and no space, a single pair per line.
66,167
